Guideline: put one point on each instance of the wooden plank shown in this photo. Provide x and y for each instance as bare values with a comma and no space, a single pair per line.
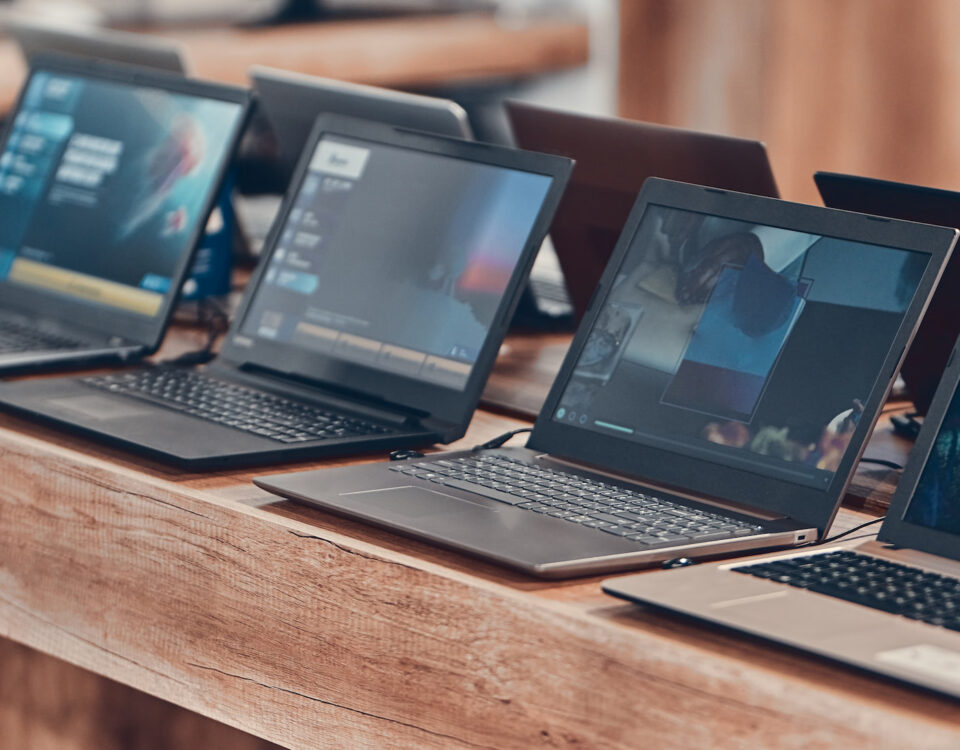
47,704
306,630
420,52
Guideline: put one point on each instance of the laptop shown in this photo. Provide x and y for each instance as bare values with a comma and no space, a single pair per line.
146,50
614,156
715,398
292,101
371,323
108,174
927,356
890,606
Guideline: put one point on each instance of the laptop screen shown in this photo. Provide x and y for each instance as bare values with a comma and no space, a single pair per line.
395,259
936,499
747,345
103,185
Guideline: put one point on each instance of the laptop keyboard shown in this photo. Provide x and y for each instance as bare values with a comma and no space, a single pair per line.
242,408
872,582
572,497
16,336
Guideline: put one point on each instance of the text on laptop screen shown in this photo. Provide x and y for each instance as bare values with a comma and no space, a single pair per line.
102,185
936,500
396,259
747,345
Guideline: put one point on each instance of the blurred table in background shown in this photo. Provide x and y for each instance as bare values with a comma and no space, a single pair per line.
419,52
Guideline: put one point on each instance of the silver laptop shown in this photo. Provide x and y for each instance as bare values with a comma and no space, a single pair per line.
716,397
145,50
292,101
891,606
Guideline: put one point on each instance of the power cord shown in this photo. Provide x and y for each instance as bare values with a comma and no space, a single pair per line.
501,439
882,462
835,537
211,315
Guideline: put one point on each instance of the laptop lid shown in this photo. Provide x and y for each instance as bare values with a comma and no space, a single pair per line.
925,511
146,50
928,353
292,101
741,347
614,157
395,264
107,176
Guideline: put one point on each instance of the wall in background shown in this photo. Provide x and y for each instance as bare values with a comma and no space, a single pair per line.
863,86
592,88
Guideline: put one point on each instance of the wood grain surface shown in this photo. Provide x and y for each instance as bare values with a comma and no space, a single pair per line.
312,631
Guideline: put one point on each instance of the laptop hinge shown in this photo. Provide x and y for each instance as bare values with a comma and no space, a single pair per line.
342,398
728,505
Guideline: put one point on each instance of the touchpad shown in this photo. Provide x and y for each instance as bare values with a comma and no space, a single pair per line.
410,503
101,407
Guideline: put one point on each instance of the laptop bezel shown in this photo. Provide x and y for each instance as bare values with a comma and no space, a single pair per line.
808,506
895,529
276,89
147,331
449,405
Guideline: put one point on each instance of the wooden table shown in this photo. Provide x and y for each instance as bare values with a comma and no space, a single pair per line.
417,52
309,630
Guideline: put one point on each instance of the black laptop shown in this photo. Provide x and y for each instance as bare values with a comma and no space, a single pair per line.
371,323
716,397
107,177
927,356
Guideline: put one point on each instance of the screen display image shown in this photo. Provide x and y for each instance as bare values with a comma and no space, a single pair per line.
396,259
936,499
102,185
748,345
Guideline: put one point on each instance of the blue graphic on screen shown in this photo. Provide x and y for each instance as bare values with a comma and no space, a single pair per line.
396,259
745,344
936,499
734,347
107,181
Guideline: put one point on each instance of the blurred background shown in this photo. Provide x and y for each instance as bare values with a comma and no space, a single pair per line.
861,86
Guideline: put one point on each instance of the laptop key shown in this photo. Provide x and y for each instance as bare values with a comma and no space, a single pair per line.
616,530
607,517
673,537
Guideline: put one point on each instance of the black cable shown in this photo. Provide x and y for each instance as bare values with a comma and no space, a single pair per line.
211,315
500,439
882,462
831,539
